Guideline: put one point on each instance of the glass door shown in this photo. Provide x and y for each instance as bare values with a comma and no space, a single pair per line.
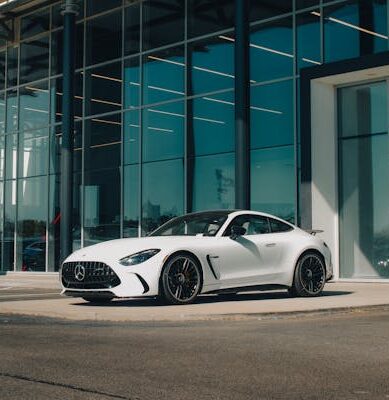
363,181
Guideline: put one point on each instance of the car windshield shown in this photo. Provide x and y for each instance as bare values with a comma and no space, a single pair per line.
207,224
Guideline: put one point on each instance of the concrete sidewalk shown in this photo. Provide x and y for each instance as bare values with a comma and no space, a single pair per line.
17,293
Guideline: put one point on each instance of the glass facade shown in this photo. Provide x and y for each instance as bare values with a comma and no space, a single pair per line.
155,113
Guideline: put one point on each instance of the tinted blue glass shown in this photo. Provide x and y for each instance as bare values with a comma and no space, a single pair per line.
211,65
263,9
162,193
132,29
306,3
131,83
98,6
272,114
11,153
34,60
35,23
354,29
213,123
163,131
34,106
131,201
213,182
163,75
2,158
9,225
273,181
271,50
2,70
12,66
308,40
2,114
12,111
131,137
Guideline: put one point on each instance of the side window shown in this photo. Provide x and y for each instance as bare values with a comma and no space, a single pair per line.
254,224
278,226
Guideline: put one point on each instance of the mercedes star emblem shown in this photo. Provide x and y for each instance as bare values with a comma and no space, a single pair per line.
79,272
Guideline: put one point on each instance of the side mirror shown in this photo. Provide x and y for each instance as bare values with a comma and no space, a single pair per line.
237,231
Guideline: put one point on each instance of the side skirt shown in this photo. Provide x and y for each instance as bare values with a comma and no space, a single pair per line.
248,289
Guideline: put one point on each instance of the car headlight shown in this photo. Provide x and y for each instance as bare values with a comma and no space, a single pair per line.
138,258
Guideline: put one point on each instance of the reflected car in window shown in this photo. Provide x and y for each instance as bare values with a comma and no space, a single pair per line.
205,252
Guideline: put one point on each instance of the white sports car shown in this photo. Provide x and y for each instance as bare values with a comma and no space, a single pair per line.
206,252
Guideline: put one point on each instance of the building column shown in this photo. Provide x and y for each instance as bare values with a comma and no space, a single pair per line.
69,12
242,105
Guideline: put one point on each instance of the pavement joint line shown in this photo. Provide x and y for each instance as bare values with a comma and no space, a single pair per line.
63,385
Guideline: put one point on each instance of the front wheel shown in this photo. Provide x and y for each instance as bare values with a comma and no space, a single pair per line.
309,276
181,280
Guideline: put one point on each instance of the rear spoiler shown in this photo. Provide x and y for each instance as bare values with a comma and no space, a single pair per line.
313,232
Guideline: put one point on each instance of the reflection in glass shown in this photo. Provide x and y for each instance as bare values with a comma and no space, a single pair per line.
98,6
104,38
131,201
131,137
101,206
53,227
32,218
163,23
131,82
355,28
33,149
34,60
34,106
163,131
2,70
212,124
12,66
2,158
211,65
35,23
1,223
213,184
273,181
132,29
102,142
271,50
9,225
308,40
271,114
163,75
207,16
103,89
162,193
2,114
11,155
306,3
269,8
12,111
364,108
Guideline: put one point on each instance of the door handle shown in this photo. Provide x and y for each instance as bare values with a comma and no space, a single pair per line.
270,244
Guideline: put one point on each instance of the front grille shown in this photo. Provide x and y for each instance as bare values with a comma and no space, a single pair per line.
91,275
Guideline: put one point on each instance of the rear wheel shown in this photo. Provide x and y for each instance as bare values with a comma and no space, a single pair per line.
181,279
98,300
309,276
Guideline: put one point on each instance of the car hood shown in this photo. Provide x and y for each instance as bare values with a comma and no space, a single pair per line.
120,248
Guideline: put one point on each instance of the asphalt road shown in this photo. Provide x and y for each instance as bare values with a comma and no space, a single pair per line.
322,357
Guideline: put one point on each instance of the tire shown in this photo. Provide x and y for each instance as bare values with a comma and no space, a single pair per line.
309,276
98,300
181,280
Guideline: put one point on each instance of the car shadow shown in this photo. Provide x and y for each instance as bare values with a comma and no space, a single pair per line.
209,298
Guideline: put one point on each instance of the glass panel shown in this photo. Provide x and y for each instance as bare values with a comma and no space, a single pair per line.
162,193
211,64
12,66
34,60
269,8
355,28
271,50
306,3
12,111
54,223
34,106
2,70
163,75
11,152
9,225
131,83
98,6
131,137
32,218
2,159
102,142
132,29
104,38
363,109
273,181
207,16
35,23
102,206
213,182
272,114
308,40
212,128
56,93
103,89
163,132
131,201
364,199
2,114
33,150
57,49
163,23
1,224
